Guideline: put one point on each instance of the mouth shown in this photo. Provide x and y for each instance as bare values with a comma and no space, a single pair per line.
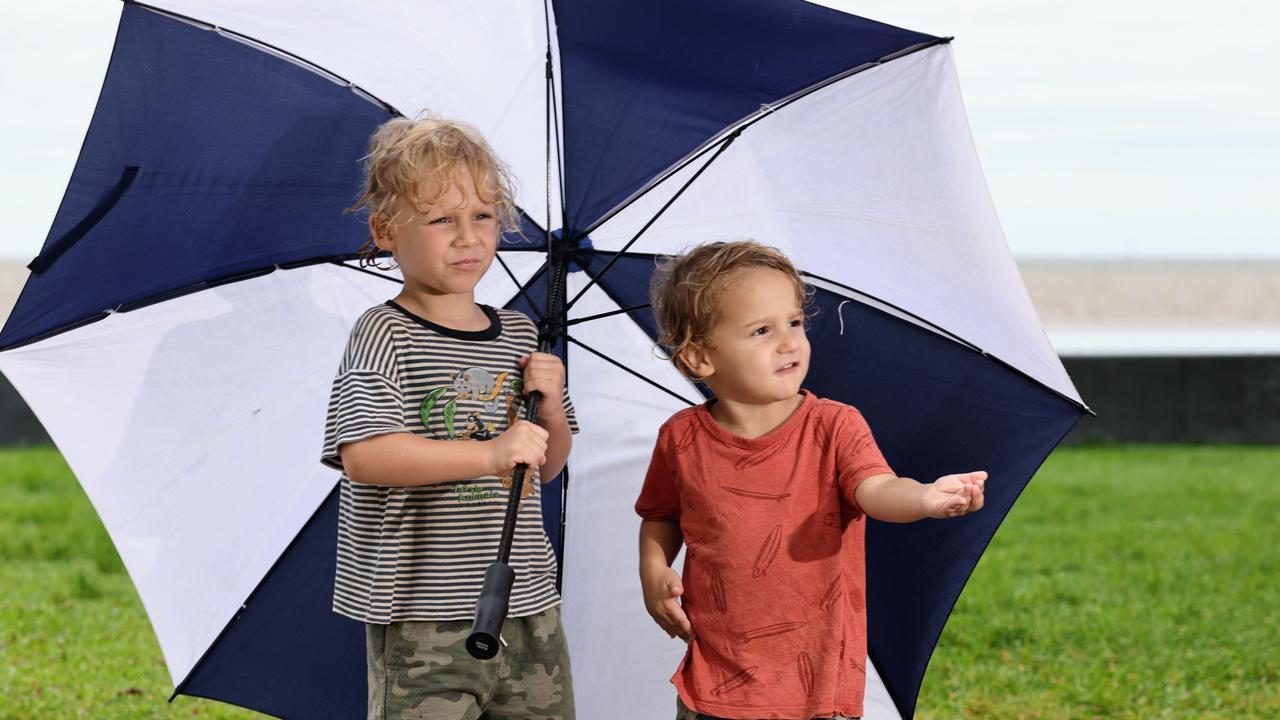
788,368
467,263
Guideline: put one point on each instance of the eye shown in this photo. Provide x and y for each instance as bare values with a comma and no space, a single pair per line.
440,221
484,216
796,323
762,330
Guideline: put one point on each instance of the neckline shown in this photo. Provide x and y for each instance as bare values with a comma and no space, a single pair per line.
489,333
775,435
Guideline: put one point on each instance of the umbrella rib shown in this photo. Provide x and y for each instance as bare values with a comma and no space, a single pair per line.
603,315
619,365
724,145
366,271
753,118
555,127
175,293
181,687
532,222
338,260
554,119
547,127
956,338
523,291
904,311
272,50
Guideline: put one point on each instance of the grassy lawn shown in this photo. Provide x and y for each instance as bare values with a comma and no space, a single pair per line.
74,639
1126,583
1139,582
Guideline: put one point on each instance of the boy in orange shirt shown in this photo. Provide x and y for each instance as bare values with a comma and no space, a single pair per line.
768,488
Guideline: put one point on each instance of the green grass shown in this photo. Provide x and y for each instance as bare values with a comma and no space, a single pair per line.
74,639
1126,583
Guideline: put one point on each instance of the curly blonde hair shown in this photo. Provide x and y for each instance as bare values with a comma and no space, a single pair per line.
406,155
685,291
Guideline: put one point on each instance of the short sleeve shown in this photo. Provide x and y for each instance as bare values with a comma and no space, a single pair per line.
362,405
569,413
857,455
658,497
365,400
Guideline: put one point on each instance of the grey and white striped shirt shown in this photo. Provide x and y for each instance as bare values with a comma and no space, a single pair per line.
419,553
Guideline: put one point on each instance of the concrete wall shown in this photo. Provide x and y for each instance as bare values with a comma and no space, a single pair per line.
1138,400
1178,399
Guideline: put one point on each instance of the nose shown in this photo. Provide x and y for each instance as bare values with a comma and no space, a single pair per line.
468,234
790,341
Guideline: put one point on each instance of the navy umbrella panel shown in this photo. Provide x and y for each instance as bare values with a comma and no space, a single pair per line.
184,319
645,85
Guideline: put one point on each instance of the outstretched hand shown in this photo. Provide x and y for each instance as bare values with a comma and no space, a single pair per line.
662,593
955,495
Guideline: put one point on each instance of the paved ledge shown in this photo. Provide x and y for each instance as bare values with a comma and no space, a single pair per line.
1178,399
1170,352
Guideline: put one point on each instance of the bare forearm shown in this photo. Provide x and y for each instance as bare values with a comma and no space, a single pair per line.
659,543
403,459
891,498
559,442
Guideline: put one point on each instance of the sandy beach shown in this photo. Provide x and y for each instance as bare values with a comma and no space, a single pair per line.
1092,308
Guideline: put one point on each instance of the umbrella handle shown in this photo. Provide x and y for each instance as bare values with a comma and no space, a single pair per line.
491,611
495,594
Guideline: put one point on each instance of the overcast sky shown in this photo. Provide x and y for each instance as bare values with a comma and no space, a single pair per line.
1137,129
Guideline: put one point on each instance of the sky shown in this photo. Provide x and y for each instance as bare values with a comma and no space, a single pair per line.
1134,130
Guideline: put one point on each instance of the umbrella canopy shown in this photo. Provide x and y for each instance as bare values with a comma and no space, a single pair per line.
185,317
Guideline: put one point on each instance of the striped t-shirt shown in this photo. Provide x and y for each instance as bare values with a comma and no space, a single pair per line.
419,553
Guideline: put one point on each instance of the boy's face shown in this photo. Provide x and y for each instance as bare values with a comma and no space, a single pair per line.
757,352
446,249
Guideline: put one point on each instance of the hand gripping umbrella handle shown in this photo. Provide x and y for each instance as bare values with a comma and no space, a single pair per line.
495,595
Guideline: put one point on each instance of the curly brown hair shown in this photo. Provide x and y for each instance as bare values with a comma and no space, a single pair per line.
685,290
407,154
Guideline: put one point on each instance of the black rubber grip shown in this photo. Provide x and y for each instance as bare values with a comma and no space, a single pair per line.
491,611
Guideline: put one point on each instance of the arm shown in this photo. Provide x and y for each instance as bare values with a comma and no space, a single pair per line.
559,442
404,459
898,499
544,373
659,544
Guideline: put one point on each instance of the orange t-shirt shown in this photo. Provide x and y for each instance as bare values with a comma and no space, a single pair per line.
774,567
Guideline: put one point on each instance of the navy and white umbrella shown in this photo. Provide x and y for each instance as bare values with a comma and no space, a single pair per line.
184,319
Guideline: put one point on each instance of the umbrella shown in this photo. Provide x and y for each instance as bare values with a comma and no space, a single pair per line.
185,316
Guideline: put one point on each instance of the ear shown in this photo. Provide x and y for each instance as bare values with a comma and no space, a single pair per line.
380,229
697,361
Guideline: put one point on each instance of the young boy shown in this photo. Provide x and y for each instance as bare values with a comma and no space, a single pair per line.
422,421
768,488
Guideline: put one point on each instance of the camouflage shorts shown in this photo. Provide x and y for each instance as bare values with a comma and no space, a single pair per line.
684,713
423,670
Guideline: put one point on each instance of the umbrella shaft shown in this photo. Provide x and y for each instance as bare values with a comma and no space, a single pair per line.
518,479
